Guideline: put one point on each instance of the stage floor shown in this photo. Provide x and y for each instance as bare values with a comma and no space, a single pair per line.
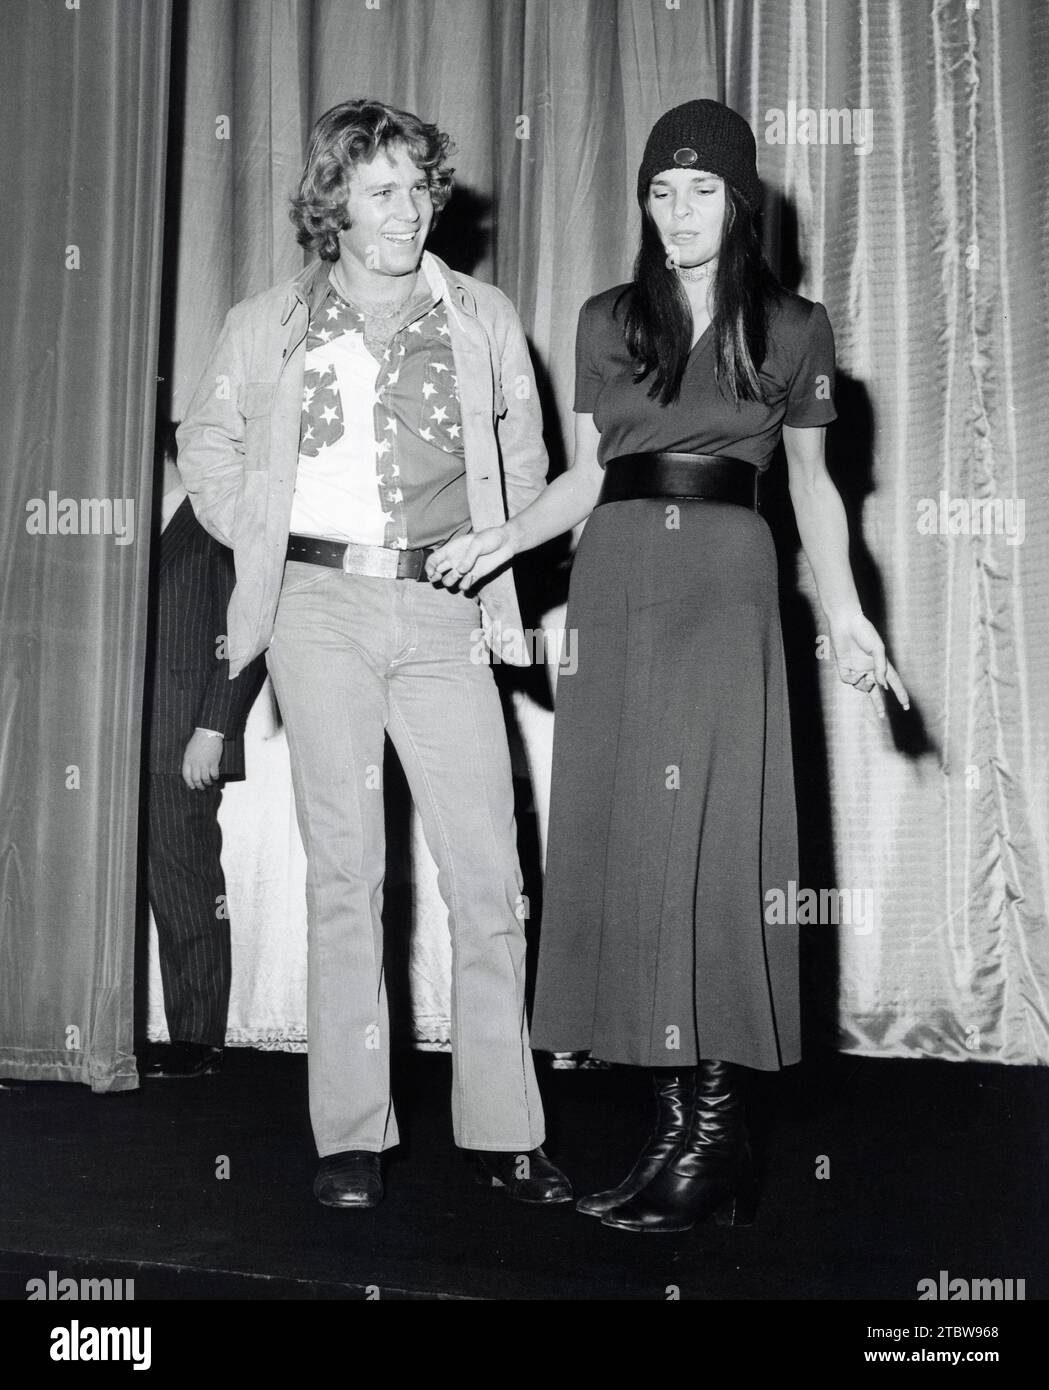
930,1166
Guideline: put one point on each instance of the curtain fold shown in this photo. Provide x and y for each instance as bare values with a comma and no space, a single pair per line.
929,249
84,143
918,212
548,103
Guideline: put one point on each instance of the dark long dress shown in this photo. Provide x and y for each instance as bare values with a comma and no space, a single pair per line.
672,806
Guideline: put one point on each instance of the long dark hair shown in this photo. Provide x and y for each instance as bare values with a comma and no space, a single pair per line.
659,320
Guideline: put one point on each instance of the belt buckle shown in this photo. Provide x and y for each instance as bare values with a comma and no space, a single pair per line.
373,560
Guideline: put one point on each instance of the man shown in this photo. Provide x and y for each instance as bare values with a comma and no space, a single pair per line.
348,422
196,725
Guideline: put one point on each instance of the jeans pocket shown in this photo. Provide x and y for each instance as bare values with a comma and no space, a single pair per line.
299,576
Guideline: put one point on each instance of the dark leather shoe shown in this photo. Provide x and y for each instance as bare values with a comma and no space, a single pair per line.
526,1177
352,1178
182,1060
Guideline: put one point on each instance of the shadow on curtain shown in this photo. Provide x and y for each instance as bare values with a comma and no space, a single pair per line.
923,228
85,116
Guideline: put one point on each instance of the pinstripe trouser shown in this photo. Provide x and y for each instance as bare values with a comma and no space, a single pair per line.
185,884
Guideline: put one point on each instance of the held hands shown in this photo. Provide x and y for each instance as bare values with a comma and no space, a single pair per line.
200,762
465,560
860,654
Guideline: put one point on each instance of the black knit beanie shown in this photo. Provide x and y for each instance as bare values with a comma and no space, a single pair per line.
703,135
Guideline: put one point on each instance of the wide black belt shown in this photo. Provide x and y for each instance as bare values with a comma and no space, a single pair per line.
690,477
379,561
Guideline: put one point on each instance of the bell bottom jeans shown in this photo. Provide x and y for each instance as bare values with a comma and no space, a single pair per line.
354,658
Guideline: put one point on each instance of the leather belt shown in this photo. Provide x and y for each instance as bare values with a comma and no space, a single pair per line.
692,477
379,561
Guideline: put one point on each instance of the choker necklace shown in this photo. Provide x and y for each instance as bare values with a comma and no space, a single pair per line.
694,273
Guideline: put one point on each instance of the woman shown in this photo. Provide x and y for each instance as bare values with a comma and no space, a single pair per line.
672,810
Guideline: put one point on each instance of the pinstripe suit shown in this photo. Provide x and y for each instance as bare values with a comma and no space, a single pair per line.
190,688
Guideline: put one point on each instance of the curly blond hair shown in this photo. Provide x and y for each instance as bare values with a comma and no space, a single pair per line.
349,133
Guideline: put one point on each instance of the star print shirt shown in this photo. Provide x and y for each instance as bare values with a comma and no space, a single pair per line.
381,456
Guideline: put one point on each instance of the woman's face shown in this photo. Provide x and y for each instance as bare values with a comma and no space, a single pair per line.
688,208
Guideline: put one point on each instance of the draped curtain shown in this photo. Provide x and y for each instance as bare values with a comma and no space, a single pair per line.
916,210
917,214
929,250
82,169
548,105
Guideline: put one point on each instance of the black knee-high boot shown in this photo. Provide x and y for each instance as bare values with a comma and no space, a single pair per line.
673,1091
710,1171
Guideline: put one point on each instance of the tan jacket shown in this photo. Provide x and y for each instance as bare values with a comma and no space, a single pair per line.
239,443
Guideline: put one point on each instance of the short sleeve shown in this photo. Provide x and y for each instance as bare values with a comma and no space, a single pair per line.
588,380
810,400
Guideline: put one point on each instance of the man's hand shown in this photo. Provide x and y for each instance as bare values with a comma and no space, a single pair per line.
465,560
200,762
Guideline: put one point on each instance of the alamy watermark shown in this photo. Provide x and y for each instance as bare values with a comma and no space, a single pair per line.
972,516
975,1290
60,1290
82,1343
809,907
556,645
85,516
805,125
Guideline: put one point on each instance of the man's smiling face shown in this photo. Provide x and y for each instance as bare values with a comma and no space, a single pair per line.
390,211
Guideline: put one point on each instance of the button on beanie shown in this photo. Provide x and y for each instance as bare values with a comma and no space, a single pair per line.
703,135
